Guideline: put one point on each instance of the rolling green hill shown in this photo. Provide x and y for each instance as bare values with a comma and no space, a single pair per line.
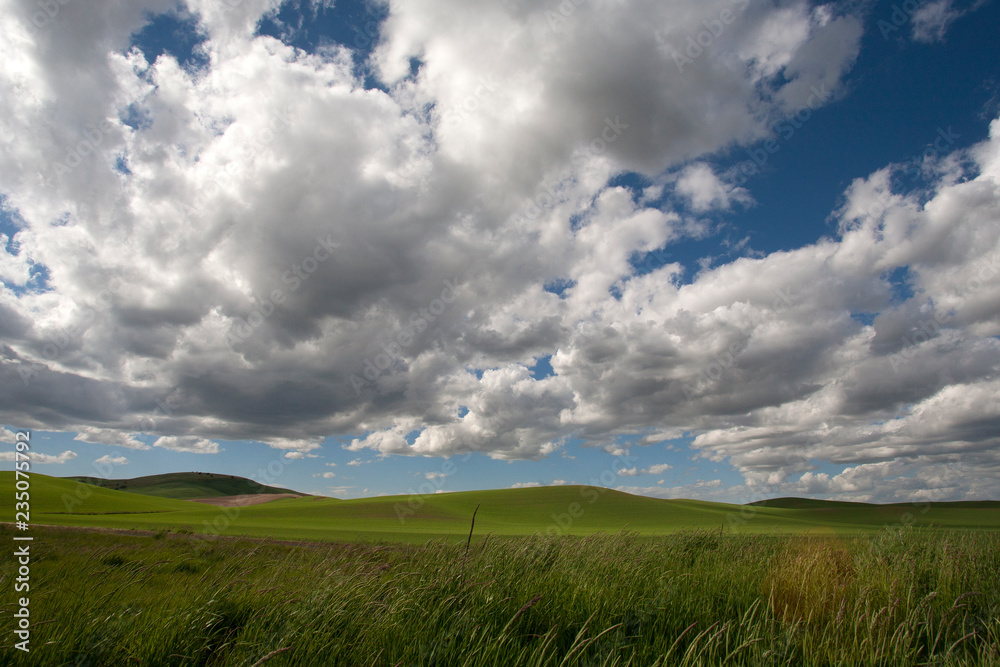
185,485
55,496
811,503
574,510
805,504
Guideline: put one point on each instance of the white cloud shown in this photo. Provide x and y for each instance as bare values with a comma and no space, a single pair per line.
181,348
106,436
525,485
325,475
190,445
15,268
932,20
315,259
705,190
40,458
651,470
297,455
108,460
300,446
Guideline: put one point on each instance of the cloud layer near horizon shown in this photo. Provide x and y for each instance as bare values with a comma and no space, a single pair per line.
263,249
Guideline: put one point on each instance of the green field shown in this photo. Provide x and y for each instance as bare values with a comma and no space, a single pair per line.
565,510
557,576
898,597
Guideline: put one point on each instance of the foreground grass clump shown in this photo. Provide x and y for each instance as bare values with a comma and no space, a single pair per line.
698,598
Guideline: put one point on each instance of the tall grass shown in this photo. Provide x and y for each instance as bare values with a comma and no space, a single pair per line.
697,598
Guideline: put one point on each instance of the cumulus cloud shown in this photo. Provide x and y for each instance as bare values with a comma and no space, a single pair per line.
266,250
15,267
705,190
290,277
651,470
189,444
302,453
108,460
40,458
298,446
106,436
525,485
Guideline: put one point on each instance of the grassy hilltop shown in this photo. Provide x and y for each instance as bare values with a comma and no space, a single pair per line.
185,485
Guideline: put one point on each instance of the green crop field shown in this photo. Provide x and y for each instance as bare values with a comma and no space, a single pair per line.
565,510
896,597
551,576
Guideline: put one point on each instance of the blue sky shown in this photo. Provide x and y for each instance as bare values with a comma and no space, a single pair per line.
360,476
723,250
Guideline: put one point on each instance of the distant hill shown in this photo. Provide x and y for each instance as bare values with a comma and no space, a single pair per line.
806,504
561,510
186,485
813,504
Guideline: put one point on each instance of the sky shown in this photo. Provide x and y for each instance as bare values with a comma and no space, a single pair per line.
715,249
